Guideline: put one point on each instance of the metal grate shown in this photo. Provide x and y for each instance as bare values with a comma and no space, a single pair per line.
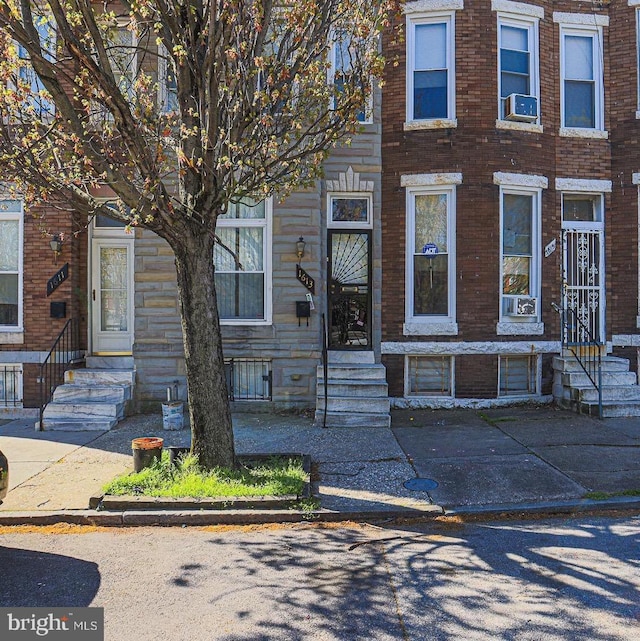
10,386
248,379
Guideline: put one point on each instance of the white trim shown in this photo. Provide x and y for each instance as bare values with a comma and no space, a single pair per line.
520,180
587,19
513,125
445,402
430,180
583,185
636,176
442,324
419,6
626,340
519,329
518,8
474,347
417,19
368,196
434,123
429,329
265,223
633,3
579,132
13,334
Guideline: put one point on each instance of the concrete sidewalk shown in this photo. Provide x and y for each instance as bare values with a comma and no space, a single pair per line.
501,460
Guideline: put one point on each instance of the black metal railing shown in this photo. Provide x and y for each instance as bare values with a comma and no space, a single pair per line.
63,355
578,341
248,379
325,368
10,385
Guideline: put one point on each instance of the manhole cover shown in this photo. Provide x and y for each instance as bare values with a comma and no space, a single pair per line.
420,485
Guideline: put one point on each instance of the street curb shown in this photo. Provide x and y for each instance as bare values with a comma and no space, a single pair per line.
134,518
546,507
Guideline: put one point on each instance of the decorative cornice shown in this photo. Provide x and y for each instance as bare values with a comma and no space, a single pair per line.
350,181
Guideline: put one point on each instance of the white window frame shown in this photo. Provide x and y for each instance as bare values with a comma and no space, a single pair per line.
531,24
367,108
538,375
536,264
413,20
452,378
163,75
19,216
267,248
444,324
338,195
572,26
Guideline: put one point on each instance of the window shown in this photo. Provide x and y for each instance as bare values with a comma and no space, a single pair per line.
11,264
431,254
581,87
10,385
517,61
518,375
581,208
342,59
429,376
520,264
39,100
248,379
167,81
349,210
430,68
242,263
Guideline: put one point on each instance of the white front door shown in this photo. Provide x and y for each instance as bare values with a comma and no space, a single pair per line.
111,292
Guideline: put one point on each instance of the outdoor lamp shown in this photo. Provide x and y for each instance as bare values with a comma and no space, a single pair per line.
56,246
300,245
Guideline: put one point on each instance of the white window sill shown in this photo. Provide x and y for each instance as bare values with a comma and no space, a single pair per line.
434,123
579,132
239,323
445,328
519,329
512,125
11,337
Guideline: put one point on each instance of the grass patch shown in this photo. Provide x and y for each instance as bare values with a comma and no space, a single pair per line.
603,496
276,476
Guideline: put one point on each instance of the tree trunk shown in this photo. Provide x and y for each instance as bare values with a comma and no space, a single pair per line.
209,411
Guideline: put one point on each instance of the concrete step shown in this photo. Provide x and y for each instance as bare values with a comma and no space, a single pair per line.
109,362
619,393
353,371
609,364
84,411
77,425
351,419
342,388
99,377
580,379
611,409
355,404
350,356
92,394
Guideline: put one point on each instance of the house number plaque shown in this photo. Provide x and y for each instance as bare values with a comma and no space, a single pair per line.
57,279
305,279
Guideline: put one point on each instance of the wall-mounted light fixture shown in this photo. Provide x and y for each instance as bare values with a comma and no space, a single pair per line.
300,245
56,246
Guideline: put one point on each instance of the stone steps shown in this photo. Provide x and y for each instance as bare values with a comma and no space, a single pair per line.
357,391
91,399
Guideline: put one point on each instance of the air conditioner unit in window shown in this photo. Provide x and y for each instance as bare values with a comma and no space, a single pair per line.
521,108
522,306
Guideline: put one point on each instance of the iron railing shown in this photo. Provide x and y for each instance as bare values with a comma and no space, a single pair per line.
10,385
578,341
63,355
248,379
325,368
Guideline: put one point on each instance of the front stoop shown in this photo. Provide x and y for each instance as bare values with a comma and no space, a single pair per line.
357,391
573,390
94,398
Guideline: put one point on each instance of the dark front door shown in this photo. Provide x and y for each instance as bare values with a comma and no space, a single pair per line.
349,289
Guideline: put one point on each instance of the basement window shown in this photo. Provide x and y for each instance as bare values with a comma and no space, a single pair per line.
518,375
248,379
429,376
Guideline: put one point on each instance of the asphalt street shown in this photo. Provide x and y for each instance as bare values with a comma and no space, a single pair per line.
567,579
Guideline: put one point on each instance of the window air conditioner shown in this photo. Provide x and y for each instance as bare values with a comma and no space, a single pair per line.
522,306
521,108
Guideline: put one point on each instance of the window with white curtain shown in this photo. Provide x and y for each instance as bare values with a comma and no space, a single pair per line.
11,264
